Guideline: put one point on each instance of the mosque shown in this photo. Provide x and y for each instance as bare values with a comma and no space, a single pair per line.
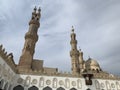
29,73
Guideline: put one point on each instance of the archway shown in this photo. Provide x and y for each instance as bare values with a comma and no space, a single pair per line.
1,84
60,88
19,87
33,88
47,88
88,89
73,89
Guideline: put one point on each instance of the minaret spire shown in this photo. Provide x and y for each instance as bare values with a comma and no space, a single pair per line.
74,53
31,38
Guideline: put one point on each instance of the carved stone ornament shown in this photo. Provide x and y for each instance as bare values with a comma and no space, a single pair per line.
73,83
34,81
61,82
112,85
20,80
48,82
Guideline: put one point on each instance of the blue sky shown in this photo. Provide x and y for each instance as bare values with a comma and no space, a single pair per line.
96,23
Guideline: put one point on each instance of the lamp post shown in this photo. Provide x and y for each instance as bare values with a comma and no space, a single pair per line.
88,78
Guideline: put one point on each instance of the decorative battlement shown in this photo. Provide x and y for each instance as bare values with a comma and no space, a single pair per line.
8,58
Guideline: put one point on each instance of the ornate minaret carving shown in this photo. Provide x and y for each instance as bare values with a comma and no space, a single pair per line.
74,53
31,38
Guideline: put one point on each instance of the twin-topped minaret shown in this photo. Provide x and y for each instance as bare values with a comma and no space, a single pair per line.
76,55
31,38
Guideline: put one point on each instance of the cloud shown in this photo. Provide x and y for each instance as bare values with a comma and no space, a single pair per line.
96,24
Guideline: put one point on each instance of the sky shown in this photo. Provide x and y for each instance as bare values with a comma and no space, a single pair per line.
96,24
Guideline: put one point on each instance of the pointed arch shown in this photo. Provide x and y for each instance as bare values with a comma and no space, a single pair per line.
47,88
88,89
19,87
1,84
73,89
54,83
33,88
6,86
60,88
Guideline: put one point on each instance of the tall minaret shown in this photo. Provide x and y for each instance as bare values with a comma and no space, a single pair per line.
31,38
74,53
81,61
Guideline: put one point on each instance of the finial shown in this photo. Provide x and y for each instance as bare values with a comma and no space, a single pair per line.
35,9
72,29
39,10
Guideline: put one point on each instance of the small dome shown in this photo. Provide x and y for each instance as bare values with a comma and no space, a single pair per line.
92,62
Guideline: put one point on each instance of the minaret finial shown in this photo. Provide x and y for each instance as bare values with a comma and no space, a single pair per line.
72,29
35,9
39,10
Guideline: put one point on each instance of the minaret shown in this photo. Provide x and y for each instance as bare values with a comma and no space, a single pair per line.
81,61
74,53
31,38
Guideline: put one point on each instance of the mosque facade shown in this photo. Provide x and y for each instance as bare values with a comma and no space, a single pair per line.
29,73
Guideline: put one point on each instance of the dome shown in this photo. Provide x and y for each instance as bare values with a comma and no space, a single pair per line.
92,62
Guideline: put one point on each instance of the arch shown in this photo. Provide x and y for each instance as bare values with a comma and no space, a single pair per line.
97,84
6,86
79,84
118,85
54,82
88,89
67,83
19,87
108,85
47,88
73,89
33,88
60,88
1,84
41,82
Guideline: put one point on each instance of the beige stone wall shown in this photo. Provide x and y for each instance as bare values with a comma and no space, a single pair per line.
50,70
37,65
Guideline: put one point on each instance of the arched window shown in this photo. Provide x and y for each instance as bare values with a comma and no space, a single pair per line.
19,87
67,83
97,84
54,83
108,85
6,86
60,88
88,89
41,82
73,89
33,88
47,88
1,84
79,84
